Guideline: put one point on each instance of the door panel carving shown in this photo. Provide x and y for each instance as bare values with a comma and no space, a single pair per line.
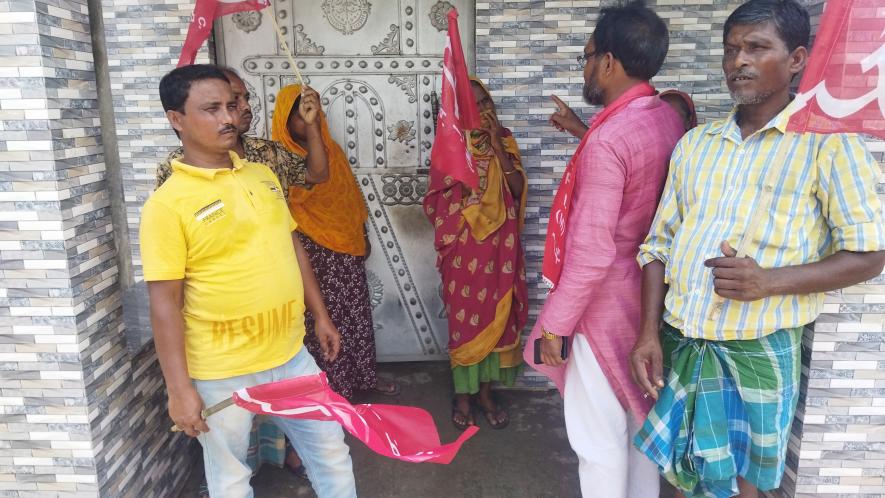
376,65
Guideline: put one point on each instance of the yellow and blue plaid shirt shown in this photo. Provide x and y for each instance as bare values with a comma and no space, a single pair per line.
824,201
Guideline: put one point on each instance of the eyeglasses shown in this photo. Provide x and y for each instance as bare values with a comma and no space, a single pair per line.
582,59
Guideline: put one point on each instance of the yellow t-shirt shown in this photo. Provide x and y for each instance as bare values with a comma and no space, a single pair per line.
228,234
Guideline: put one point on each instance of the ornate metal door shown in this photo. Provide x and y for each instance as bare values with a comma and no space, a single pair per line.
376,65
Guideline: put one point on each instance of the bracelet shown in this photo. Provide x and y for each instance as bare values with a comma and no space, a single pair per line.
548,335
511,172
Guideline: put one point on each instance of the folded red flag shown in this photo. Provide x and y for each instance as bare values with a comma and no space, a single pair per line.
400,432
205,13
457,113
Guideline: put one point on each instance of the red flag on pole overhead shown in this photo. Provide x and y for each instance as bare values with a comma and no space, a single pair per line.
205,13
843,88
457,113
400,432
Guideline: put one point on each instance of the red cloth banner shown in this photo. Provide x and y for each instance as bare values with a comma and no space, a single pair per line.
399,432
205,13
457,112
843,88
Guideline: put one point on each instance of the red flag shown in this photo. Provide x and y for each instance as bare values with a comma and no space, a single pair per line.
457,112
843,88
205,13
400,432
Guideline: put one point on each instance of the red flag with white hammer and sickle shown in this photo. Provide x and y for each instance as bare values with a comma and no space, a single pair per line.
843,88
205,13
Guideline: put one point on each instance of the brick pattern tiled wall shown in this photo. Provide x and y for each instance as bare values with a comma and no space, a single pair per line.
144,40
139,456
79,416
53,248
526,51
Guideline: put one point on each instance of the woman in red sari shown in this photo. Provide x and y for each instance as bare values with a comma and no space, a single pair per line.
481,264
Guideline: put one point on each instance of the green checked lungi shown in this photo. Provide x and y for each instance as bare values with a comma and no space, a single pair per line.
267,444
726,411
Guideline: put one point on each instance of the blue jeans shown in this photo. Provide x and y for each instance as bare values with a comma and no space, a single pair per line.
319,444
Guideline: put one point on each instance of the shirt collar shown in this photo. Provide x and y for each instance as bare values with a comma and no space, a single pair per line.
207,173
730,130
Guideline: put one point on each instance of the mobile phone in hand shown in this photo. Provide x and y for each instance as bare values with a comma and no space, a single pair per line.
563,354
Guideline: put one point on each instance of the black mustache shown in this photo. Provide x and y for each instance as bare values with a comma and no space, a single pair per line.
227,128
740,73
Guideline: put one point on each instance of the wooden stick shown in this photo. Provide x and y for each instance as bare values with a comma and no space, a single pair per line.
286,49
217,407
757,218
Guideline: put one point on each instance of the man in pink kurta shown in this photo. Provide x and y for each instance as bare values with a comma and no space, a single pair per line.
619,169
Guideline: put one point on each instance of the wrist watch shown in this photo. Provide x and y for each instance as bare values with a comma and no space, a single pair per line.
546,334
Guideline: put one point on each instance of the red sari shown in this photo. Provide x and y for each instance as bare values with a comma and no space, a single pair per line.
476,235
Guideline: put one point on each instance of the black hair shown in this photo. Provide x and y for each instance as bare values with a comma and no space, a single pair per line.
227,70
176,85
635,36
790,19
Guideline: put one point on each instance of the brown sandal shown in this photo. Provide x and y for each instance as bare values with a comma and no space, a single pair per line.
493,416
467,417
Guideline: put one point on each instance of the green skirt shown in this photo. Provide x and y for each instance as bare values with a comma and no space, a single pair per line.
467,379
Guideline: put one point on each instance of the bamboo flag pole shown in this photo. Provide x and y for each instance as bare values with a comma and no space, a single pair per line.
286,49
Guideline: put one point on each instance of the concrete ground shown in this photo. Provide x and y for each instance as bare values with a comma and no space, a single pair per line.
530,458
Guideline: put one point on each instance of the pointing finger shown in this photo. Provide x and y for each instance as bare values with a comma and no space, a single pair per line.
563,108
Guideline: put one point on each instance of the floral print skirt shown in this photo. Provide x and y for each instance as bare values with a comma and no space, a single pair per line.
342,280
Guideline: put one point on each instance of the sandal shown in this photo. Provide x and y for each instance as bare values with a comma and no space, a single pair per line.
467,418
493,417
393,389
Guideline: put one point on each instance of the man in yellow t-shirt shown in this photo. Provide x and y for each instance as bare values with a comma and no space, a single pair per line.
227,289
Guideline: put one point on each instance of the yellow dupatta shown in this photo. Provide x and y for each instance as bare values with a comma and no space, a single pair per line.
486,216
332,213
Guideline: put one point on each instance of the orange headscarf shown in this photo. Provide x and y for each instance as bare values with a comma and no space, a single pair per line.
332,213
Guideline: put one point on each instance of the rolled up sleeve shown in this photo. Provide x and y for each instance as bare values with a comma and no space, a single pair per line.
847,193
667,220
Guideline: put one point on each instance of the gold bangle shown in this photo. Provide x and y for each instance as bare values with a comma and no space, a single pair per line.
511,172
548,335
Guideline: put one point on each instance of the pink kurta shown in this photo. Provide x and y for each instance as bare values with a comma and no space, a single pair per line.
620,177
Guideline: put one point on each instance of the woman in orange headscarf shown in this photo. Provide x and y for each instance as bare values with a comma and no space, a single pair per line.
331,219
481,264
